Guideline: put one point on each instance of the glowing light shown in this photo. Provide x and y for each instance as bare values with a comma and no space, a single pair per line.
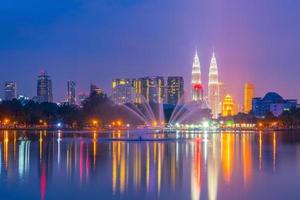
59,124
119,122
154,123
205,124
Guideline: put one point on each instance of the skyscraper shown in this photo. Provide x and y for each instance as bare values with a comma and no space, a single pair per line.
137,85
123,91
153,89
82,97
214,88
175,89
95,89
248,96
10,90
44,88
197,88
71,92
228,106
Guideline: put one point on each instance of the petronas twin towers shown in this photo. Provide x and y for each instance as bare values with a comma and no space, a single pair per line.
214,100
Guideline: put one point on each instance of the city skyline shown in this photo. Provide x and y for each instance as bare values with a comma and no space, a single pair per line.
71,42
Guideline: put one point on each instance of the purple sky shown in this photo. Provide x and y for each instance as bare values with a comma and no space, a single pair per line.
98,40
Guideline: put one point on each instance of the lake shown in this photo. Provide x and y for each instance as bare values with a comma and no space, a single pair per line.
57,165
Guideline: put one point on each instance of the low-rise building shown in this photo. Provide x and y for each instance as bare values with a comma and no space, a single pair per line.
272,102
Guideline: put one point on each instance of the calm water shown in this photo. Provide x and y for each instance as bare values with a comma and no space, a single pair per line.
58,165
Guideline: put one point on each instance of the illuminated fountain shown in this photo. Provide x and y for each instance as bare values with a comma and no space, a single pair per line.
154,115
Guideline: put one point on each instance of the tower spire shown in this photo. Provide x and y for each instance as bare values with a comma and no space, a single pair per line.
197,89
214,87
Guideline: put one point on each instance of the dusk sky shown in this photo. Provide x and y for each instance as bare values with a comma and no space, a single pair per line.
94,41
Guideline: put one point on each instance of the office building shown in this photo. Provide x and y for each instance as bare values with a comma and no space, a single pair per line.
10,90
153,89
44,88
197,87
95,89
123,91
175,90
249,92
71,92
214,88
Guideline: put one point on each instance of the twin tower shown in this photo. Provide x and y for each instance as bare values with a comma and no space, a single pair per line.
213,97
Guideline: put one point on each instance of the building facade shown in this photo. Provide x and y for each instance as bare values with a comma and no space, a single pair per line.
249,92
137,87
228,106
10,90
153,89
123,91
95,89
44,88
272,102
214,88
175,90
71,92
82,97
197,87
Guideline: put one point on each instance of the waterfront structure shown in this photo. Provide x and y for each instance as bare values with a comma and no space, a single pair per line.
153,89
197,88
123,91
272,102
10,90
71,92
95,89
249,91
228,106
214,88
44,88
175,89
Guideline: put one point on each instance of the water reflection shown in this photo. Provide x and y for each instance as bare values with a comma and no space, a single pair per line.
199,166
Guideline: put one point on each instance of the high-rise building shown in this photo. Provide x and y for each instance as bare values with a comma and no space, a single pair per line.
95,89
249,92
153,89
82,97
137,86
10,90
44,88
197,88
71,92
214,88
123,91
228,106
175,89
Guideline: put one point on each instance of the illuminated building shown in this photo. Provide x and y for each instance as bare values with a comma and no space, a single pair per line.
95,89
248,96
44,88
10,90
71,92
272,102
227,106
213,88
137,86
175,89
153,89
197,88
122,91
